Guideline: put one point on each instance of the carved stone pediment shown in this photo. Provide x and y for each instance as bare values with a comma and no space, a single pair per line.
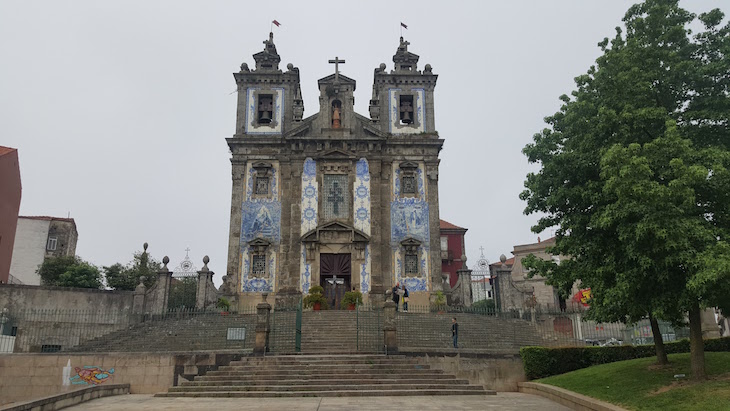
337,154
408,165
410,244
259,245
335,232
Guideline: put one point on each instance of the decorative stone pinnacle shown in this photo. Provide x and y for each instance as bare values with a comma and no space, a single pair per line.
165,260
144,246
502,258
206,260
263,296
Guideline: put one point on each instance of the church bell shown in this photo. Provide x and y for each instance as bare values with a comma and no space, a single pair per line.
265,117
406,118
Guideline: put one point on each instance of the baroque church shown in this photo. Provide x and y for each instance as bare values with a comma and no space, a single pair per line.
335,199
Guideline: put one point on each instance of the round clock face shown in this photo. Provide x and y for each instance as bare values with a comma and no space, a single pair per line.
482,264
186,265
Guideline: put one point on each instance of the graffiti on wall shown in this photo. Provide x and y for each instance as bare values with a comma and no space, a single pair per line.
91,375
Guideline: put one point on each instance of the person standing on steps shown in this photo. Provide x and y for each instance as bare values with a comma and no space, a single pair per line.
455,332
405,298
396,295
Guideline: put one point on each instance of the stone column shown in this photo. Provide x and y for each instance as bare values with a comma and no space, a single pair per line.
390,338
502,275
263,314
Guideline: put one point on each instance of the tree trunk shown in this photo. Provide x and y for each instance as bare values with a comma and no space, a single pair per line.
696,344
661,352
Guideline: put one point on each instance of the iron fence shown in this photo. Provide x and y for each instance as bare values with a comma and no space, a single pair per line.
107,330
369,328
481,328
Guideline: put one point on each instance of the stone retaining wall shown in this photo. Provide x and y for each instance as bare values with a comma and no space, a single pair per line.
30,376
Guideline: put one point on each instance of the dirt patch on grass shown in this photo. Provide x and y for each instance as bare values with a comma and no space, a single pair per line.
688,383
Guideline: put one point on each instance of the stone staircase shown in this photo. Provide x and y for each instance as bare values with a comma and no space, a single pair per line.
324,376
196,331
323,332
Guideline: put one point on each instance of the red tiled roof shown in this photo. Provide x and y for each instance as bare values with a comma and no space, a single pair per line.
46,218
5,150
445,225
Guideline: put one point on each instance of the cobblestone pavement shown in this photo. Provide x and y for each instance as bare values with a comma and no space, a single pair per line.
504,401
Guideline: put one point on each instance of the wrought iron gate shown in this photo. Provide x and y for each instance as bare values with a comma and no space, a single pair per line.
285,334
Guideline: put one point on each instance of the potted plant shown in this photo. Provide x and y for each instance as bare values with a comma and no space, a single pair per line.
440,302
352,299
315,299
224,305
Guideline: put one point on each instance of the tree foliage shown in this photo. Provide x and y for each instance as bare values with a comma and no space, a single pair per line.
69,271
127,277
634,171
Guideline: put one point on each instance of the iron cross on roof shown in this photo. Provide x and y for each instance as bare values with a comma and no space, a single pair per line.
337,63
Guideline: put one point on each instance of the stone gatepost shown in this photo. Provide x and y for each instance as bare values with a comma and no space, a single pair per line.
263,315
138,300
161,291
465,297
389,329
205,294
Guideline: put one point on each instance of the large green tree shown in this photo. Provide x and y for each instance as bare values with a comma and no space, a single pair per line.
69,271
634,173
127,277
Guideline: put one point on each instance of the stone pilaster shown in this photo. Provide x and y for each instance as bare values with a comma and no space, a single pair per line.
263,316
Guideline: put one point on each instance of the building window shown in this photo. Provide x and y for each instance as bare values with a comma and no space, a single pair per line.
411,265
444,243
336,198
409,184
258,265
52,242
262,186
406,109
50,348
265,109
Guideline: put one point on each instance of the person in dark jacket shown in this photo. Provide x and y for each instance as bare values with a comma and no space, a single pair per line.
405,298
455,332
396,295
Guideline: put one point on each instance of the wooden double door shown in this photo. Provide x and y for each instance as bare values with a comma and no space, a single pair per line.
335,272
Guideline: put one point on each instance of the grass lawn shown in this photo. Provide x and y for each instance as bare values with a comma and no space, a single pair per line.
640,385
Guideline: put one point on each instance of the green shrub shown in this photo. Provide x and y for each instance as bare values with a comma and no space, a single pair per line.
540,362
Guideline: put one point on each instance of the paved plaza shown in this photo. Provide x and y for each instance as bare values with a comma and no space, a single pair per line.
507,401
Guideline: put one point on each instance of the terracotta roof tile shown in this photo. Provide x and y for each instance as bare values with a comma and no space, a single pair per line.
448,226
5,150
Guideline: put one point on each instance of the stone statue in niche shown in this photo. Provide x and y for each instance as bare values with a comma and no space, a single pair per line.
336,118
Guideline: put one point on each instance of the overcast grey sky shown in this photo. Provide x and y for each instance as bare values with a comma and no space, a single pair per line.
119,109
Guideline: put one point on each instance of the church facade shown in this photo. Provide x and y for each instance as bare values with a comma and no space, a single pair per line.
335,199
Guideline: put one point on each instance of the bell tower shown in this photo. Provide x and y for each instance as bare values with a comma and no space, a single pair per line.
336,102
269,99
402,100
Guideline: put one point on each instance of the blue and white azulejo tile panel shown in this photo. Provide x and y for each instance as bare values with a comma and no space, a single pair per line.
310,196
260,218
361,197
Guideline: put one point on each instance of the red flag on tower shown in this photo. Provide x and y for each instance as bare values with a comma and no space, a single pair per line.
403,25
279,24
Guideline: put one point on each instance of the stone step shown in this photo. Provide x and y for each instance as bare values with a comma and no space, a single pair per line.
324,367
343,393
285,379
283,372
326,362
323,387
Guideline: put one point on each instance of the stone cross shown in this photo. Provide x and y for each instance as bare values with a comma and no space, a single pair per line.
335,197
337,63
481,249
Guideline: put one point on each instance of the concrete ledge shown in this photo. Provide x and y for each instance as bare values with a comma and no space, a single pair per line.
567,398
67,399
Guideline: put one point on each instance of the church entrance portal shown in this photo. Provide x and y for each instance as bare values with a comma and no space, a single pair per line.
334,276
